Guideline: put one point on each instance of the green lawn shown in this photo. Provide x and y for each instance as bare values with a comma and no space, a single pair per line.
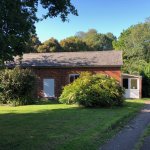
148,131
61,127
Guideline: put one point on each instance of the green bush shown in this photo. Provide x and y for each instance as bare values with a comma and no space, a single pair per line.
17,86
93,91
146,81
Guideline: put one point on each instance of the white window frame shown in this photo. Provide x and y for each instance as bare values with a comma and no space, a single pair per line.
129,80
73,75
129,83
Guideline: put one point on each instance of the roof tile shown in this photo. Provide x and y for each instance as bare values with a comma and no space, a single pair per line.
71,59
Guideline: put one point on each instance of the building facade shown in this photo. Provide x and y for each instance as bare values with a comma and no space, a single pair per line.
55,70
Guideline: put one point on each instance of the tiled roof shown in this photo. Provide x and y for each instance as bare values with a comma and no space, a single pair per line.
71,59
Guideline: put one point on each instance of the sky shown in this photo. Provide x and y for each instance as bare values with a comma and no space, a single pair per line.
103,15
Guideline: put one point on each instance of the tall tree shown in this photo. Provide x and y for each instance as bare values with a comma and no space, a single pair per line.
135,42
51,45
73,44
97,41
111,36
33,44
17,20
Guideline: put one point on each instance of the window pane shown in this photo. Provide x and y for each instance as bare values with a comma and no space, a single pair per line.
71,79
133,83
125,83
76,76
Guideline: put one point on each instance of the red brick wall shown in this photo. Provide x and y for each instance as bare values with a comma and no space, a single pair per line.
61,76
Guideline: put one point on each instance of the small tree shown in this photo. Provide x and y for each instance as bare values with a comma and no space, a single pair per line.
17,86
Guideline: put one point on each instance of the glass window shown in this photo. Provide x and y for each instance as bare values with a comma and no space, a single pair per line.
72,77
133,83
125,83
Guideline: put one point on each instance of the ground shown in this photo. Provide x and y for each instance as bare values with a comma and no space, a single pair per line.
146,140
129,137
60,126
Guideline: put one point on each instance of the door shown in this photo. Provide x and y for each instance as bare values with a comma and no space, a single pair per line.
131,86
134,88
48,88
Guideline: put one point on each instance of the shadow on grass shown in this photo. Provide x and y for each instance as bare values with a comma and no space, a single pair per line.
47,101
61,129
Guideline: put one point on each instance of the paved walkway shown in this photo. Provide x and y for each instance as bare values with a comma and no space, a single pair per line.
128,137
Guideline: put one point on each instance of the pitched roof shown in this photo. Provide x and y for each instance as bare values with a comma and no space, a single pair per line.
71,59
126,75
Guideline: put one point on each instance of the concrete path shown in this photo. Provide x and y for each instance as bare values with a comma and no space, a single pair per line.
128,137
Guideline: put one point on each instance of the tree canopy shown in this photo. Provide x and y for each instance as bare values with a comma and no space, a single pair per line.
71,44
51,45
17,22
33,44
97,41
135,42
82,41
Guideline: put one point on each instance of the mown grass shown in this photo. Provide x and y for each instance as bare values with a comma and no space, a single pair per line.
60,126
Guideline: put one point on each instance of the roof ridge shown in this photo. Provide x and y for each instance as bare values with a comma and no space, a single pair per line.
78,52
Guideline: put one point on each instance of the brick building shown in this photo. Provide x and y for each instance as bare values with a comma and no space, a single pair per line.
55,70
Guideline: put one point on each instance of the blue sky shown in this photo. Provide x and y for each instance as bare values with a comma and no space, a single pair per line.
102,15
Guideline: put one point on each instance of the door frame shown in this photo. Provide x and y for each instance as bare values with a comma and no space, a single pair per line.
53,87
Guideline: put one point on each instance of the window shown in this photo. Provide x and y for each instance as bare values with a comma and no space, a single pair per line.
133,83
72,77
125,83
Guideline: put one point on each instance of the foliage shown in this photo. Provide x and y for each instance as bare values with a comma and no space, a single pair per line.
134,66
17,86
33,44
97,41
93,91
72,44
51,45
17,22
146,81
135,42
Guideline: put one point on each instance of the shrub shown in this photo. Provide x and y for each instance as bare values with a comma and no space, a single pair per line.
146,81
93,91
17,86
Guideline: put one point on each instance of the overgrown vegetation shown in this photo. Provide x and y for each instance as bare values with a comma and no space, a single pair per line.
17,86
93,91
